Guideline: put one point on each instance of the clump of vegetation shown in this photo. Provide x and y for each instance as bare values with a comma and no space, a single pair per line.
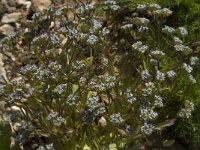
97,75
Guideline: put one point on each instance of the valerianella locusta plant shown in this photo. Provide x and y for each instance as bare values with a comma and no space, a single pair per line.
81,75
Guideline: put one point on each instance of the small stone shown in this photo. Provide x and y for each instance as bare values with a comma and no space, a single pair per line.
25,3
13,17
39,5
6,29
3,6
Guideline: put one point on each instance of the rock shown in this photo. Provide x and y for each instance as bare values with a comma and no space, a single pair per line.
3,76
3,7
12,3
6,29
13,17
25,3
39,5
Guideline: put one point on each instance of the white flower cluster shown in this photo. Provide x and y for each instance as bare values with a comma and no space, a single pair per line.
54,39
41,74
57,120
129,96
105,31
14,96
99,111
59,11
158,101
127,26
72,32
141,21
82,81
187,67
116,118
84,8
192,79
96,24
168,29
150,87
140,47
55,66
171,74
154,6
145,74
78,65
143,28
180,47
147,128
59,88
157,52
160,76
27,68
52,115
93,102
141,7
147,114
164,12
113,4
71,99
92,39
183,31
46,147
177,40
194,60
187,110
102,82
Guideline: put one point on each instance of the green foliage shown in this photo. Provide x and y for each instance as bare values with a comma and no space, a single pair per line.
98,77
5,135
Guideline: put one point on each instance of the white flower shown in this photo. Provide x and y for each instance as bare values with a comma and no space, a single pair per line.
142,20
141,6
187,67
158,102
154,6
142,28
116,118
171,74
145,74
111,2
157,53
191,78
80,10
96,24
92,39
160,76
147,128
183,31
140,47
177,40
148,114
194,60
105,31
168,29
126,26
115,7
180,47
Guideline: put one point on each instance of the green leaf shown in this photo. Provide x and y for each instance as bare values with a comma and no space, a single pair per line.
113,146
74,88
168,143
167,123
86,147
5,135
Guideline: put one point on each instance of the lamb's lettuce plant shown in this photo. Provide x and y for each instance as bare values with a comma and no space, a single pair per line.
96,74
